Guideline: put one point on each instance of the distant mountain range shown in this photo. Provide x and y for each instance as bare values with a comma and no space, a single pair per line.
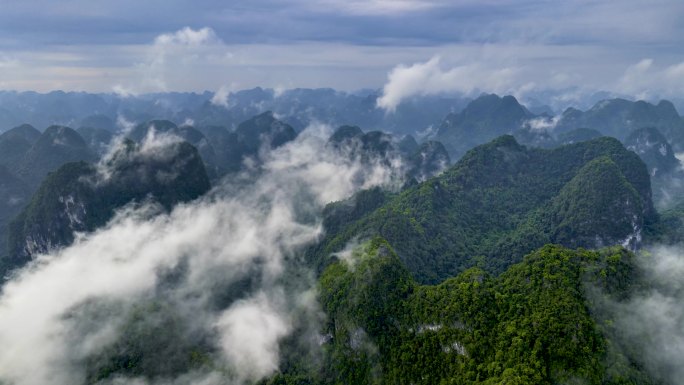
297,107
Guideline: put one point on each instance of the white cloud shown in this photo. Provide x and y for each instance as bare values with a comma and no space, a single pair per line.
221,95
123,92
652,323
675,72
542,124
429,78
243,229
173,55
250,330
188,36
645,80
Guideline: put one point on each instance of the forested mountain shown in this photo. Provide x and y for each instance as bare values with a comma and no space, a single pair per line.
418,161
481,120
500,201
533,324
80,197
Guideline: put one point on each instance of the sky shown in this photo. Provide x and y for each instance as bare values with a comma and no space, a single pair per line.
410,47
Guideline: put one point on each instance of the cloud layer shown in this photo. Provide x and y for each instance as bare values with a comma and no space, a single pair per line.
78,45
61,313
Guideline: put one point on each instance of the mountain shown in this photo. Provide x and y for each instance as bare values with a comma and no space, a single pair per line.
263,129
53,108
97,139
191,135
56,146
536,323
14,194
227,148
429,159
499,202
299,107
654,149
481,120
420,161
598,207
372,144
233,147
142,130
619,117
535,138
99,121
15,143
224,150
81,197
578,135
259,132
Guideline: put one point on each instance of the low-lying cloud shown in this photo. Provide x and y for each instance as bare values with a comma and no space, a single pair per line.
542,123
649,327
429,78
211,273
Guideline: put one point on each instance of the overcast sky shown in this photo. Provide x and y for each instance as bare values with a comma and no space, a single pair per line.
412,46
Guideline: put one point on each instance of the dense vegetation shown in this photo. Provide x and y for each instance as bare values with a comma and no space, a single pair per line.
499,202
533,324
482,120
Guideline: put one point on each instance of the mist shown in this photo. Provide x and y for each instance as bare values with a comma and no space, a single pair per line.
648,327
209,276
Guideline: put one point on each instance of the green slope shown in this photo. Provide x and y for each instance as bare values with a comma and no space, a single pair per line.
533,324
499,202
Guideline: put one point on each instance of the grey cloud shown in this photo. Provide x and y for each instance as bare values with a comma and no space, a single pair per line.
428,22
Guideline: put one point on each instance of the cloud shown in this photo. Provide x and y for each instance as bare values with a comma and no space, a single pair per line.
172,55
542,124
429,78
649,326
65,311
276,40
646,80
251,330
189,37
123,92
220,97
